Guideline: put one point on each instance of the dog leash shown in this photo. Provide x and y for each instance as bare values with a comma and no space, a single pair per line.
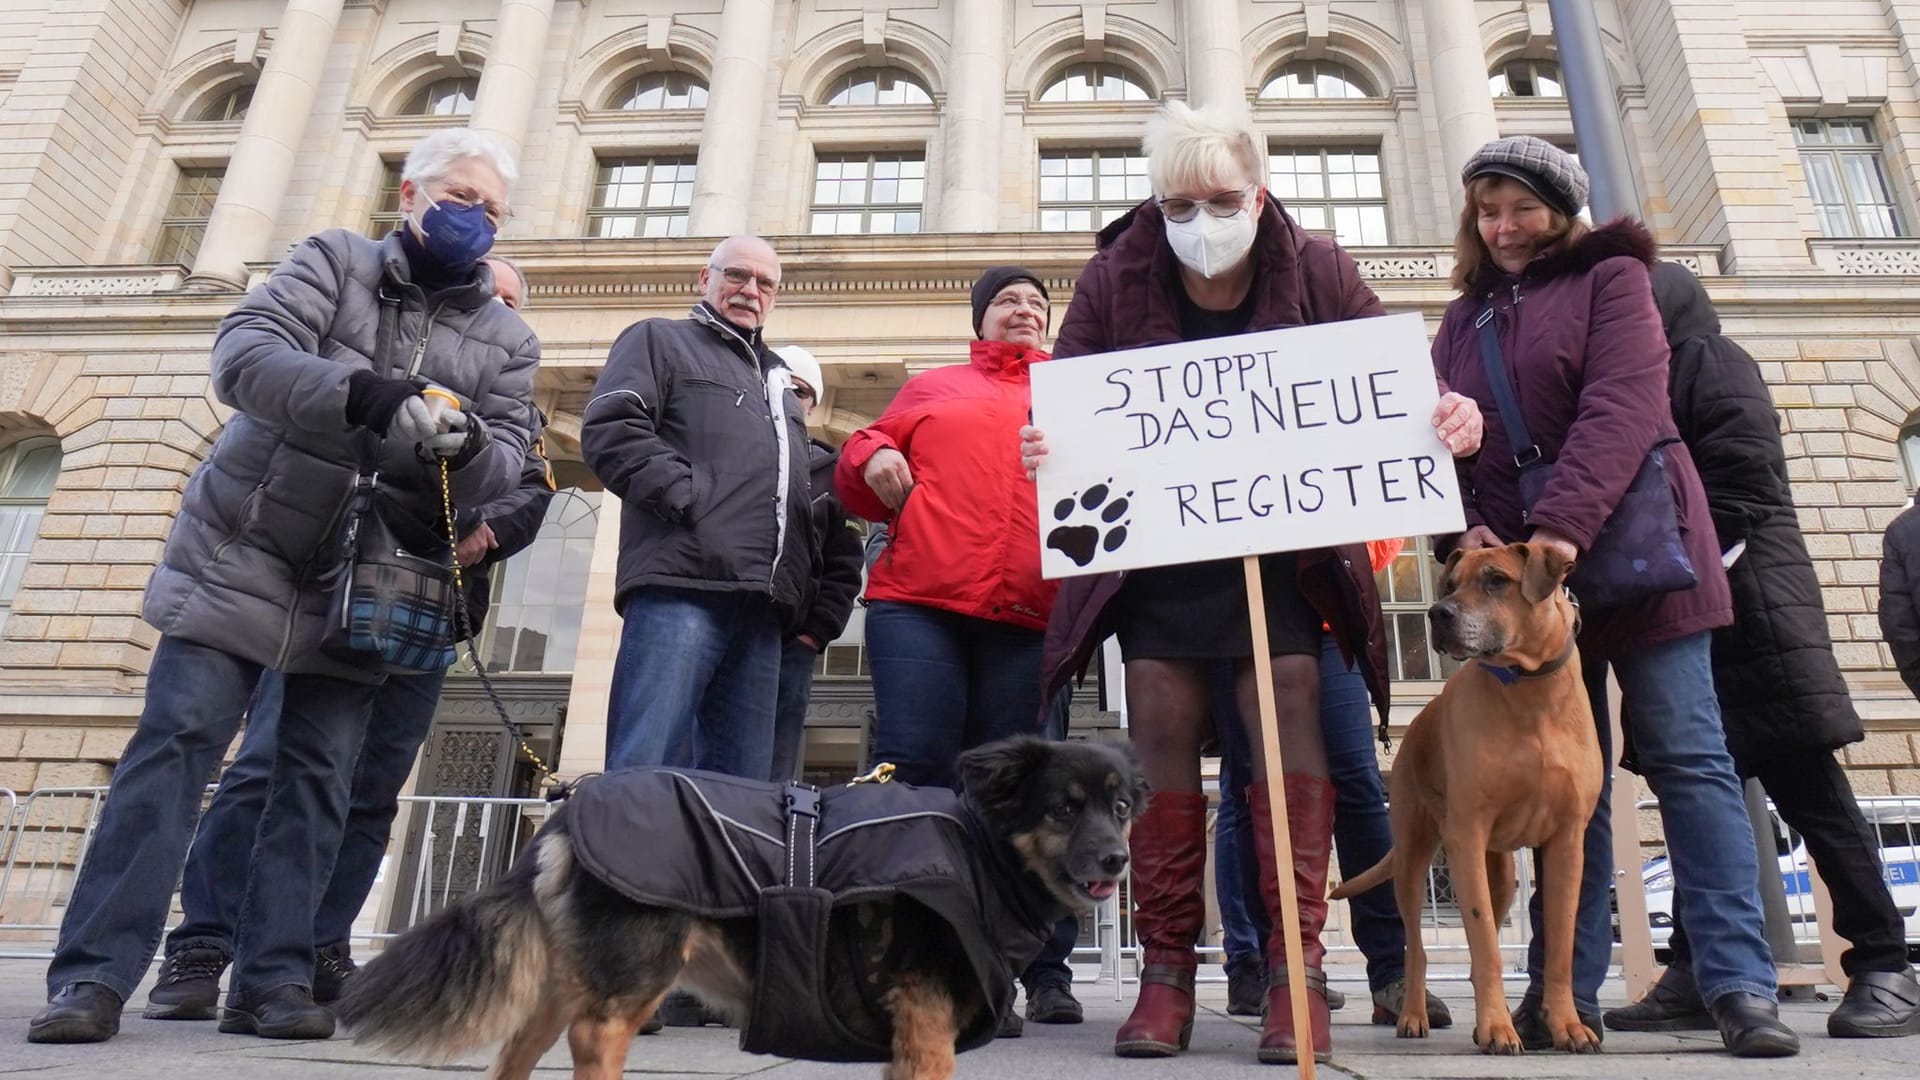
464,632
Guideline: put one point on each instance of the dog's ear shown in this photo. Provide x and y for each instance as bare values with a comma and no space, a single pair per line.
1546,569
993,775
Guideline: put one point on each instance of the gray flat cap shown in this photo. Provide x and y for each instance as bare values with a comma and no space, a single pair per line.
1551,172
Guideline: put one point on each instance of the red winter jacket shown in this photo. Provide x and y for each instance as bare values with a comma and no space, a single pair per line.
967,539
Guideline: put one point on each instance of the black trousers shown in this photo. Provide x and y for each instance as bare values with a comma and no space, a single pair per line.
1813,797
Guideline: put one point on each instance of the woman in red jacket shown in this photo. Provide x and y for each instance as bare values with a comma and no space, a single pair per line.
956,609
1215,255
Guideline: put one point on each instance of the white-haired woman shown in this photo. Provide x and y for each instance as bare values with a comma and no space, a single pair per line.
1213,254
327,364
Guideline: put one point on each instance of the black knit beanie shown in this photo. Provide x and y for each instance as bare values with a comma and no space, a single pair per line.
999,277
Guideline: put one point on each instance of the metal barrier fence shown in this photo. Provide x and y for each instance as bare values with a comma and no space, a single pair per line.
44,837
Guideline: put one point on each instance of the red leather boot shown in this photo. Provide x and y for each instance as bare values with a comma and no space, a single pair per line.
1310,827
1169,850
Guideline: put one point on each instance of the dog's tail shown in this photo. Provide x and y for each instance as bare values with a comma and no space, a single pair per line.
1373,875
472,974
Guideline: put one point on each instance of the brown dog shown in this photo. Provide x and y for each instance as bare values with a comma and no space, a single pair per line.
1505,758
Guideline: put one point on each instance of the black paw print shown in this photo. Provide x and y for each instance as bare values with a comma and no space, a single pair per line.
1079,542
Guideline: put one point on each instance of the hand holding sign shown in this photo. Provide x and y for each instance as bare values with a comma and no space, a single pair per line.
1276,441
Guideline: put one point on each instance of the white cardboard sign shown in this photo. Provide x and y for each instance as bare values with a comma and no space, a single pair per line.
1273,441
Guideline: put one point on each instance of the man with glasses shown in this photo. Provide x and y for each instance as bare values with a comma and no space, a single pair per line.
695,427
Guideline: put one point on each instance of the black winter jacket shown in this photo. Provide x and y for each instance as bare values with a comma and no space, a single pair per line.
1900,594
1779,686
694,427
515,519
836,571
716,846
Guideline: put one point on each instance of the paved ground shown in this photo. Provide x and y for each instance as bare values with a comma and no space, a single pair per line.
1222,1046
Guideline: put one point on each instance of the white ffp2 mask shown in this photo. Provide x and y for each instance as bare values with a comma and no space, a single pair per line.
1211,245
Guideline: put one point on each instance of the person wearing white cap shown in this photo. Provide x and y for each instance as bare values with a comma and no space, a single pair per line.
827,601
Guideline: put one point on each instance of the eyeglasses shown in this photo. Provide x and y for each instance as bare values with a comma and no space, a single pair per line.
497,214
1223,205
738,277
1014,301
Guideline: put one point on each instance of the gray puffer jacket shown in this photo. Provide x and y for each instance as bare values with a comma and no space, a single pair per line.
260,523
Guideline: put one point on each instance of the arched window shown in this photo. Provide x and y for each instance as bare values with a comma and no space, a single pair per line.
28,470
230,105
1095,82
444,97
878,86
662,90
1316,79
539,594
1526,78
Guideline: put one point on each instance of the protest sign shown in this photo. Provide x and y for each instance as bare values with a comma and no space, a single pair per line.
1273,441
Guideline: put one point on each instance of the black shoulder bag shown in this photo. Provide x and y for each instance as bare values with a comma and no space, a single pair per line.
1639,552
394,598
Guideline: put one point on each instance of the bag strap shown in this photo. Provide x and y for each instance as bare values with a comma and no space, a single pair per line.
1525,451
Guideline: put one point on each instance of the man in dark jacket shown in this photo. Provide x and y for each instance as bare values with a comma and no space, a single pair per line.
201,947
831,589
1783,703
330,365
1900,594
694,427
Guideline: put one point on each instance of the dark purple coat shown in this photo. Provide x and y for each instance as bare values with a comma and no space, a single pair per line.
1127,297
1586,349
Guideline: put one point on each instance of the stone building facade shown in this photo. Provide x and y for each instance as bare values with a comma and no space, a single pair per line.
160,155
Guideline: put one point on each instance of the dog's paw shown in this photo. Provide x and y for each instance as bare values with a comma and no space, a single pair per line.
1497,1038
1090,521
1576,1038
1413,1025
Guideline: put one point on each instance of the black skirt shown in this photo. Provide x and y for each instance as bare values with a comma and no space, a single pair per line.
1198,611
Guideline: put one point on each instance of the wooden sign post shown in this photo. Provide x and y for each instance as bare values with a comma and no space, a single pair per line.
1281,440
1282,833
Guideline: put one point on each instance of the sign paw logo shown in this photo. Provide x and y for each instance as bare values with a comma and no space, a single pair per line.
1082,516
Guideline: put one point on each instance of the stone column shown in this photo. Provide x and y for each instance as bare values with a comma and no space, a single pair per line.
584,749
241,225
1216,69
970,201
1461,100
730,131
504,103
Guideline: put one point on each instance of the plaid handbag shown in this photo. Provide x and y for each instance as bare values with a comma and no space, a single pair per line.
1639,552
394,599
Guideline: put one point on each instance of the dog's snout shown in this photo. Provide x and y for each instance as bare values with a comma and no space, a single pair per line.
1443,613
1114,862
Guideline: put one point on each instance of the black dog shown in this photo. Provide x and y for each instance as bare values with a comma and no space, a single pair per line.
869,922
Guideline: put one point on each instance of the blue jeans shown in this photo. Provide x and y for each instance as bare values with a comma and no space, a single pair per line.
1362,834
695,683
943,683
195,698
1673,719
217,863
790,710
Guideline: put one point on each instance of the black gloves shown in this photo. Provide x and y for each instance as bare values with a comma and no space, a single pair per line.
372,400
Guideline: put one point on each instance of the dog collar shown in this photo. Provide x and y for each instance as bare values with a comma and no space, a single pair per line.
1513,673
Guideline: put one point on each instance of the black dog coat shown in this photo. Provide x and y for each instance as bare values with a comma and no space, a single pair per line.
719,847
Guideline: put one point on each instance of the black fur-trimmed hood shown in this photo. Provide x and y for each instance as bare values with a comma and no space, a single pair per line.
1620,238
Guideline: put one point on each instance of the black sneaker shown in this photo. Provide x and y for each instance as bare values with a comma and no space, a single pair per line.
681,1009
1054,1003
332,967
85,1012
189,985
284,1012
1246,989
